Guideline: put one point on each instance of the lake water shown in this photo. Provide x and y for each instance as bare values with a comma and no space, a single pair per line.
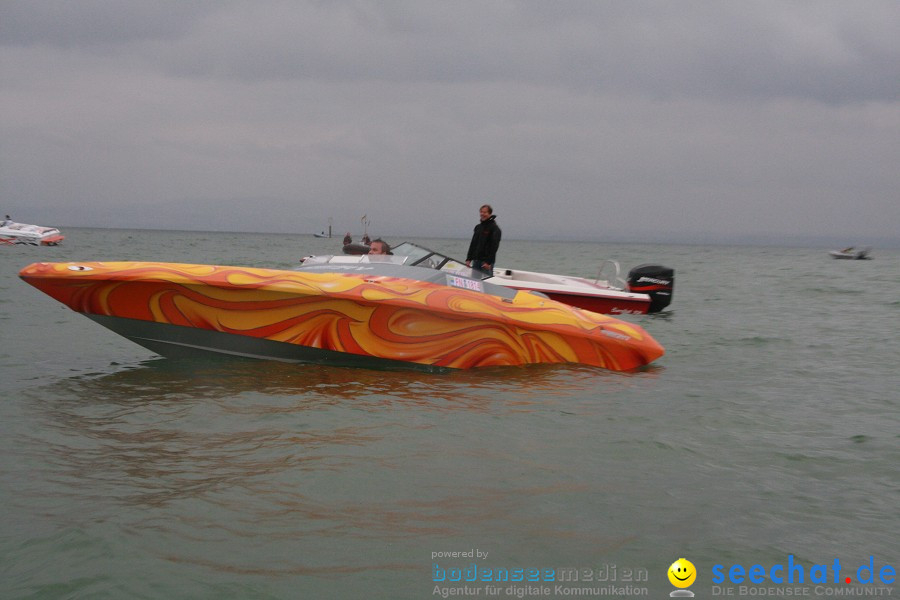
769,434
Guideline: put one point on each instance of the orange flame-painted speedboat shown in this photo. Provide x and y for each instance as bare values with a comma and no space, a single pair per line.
375,313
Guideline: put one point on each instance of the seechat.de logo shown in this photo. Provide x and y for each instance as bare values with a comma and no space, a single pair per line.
794,572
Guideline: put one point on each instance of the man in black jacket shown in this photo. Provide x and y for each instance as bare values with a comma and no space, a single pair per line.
485,241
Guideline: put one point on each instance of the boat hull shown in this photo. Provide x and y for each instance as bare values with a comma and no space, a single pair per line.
577,292
355,249
648,290
850,255
52,240
33,235
28,241
607,302
335,318
31,240
178,342
607,305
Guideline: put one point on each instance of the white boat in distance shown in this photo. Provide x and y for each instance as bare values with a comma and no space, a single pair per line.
648,288
21,233
851,253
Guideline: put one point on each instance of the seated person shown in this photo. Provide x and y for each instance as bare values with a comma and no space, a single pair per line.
379,246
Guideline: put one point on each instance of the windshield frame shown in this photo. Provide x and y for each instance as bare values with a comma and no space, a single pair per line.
420,256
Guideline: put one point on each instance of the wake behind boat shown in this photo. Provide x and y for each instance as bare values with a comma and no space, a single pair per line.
34,235
376,312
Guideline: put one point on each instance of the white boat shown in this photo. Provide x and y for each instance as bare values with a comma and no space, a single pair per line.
648,288
22,233
851,253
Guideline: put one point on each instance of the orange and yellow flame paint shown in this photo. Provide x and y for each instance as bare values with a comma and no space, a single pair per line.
386,317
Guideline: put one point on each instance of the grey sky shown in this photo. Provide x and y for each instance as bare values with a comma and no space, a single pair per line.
589,120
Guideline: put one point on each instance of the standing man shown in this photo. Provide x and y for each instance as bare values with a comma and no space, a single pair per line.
485,242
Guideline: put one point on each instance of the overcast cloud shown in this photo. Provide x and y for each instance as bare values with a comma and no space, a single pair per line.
592,120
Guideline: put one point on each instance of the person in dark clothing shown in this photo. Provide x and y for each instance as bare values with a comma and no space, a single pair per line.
485,242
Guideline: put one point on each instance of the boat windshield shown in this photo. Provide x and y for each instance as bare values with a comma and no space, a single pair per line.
406,254
329,259
420,256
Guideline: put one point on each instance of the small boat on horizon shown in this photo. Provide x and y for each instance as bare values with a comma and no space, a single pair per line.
852,253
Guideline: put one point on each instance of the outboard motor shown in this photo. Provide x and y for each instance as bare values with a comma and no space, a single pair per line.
656,281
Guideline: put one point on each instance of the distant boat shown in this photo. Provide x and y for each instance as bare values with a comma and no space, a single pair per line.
323,234
22,233
851,253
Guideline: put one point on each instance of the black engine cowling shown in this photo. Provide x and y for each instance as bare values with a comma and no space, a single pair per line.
656,281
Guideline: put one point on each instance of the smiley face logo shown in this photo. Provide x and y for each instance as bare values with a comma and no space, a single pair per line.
682,573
